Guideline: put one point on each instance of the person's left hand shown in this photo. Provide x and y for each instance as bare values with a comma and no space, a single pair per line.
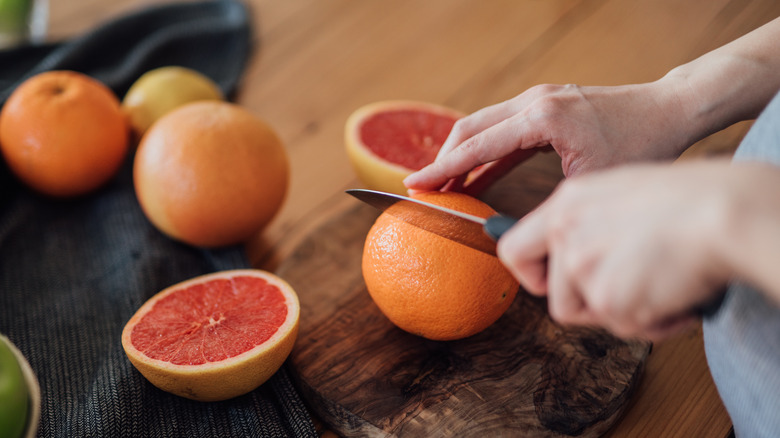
590,128
632,250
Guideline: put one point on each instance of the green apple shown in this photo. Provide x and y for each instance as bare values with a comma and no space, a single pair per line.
14,395
14,15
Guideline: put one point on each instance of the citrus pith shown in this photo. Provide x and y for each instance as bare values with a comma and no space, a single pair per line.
216,336
431,286
388,140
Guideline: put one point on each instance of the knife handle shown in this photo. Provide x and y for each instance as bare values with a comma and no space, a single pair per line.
497,225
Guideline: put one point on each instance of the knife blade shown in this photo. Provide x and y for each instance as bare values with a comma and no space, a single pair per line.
461,227
451,224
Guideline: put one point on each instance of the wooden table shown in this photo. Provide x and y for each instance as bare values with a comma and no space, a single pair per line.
318,60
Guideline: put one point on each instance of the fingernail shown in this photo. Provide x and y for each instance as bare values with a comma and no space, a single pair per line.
410,180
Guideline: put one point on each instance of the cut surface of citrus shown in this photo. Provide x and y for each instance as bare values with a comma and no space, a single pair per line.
388,140
432,286
216,336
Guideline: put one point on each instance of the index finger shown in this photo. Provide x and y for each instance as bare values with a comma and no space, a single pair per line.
495,142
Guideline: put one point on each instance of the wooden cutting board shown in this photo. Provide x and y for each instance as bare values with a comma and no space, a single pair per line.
523,376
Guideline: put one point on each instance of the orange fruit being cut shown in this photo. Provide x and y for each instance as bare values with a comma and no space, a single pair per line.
63,134
210,174
216,336
429,285
386,141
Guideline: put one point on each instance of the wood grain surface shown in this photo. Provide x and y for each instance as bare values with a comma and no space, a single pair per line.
315,61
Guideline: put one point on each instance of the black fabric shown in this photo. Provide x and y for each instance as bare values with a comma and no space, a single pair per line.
72,272
213,37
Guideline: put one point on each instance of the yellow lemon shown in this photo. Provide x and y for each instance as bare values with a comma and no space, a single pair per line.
161,90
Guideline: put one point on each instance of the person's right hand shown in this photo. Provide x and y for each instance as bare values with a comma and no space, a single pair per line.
632,249
589,127
637,249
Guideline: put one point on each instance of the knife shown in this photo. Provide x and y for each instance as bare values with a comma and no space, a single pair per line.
443,221
449,224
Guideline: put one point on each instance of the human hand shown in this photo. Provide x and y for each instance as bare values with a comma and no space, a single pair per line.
633,250
589,127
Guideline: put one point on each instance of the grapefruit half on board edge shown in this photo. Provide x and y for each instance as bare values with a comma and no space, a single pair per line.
388,140
215,336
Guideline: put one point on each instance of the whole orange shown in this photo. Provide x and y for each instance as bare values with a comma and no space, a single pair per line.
63,134
210,174
429,285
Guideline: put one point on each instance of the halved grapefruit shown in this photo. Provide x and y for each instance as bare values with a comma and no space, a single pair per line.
388,140
216,336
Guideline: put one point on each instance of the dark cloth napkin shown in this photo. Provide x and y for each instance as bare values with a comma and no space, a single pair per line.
72,272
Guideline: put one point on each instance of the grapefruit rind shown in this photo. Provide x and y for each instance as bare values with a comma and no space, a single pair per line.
204,159
228,378
437,304
373,171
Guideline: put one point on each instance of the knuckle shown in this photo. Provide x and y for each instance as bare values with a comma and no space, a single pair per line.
622,331
475,149
560,227
544,89
470,147
580,262
601,305
461,127
644,317
549,107
553,102
559,314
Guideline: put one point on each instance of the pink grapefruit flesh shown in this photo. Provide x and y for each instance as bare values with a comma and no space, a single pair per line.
388,140
409,138
216,336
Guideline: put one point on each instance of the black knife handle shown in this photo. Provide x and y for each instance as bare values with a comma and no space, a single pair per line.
498,224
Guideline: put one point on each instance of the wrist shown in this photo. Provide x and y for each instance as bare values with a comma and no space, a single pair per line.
671,99
721,88
693,109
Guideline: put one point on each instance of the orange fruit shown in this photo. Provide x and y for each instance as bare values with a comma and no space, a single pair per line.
431,286
386,141
63,134
210,174
216,336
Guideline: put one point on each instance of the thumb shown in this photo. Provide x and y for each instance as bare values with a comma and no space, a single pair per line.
524,249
